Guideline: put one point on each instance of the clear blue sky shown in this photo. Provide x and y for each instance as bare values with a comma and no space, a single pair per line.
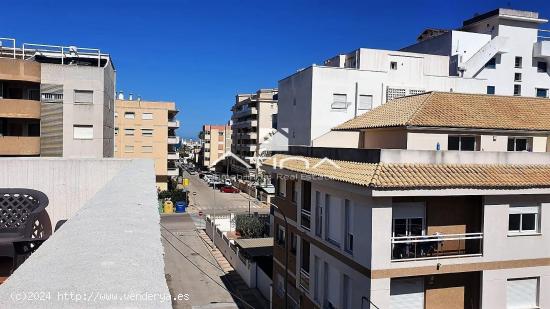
201,53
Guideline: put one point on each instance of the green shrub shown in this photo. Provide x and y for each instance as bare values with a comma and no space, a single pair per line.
249,226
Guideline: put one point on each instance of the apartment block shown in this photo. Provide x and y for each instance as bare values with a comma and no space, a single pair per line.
55,101
501,52
254,120
216,141
147,129
398,225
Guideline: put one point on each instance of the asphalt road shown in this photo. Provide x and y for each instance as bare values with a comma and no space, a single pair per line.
209,201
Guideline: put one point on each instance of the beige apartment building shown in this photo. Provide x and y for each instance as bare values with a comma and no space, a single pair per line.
216,142
444,207
146,129
55,101
254,119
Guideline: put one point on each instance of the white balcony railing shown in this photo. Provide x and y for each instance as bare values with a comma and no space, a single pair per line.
174,124
173,156
173,171
173,140
436,246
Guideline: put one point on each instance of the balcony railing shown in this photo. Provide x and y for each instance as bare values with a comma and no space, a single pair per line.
305,221
304,279
436,246
173,139
173,171
174,123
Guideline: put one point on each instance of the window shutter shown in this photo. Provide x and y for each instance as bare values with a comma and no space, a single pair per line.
522,293
83,96
365,102
407,293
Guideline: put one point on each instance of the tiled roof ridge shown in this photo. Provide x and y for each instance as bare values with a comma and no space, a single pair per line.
420,106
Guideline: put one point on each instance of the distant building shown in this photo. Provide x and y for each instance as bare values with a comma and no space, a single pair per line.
146,129
55,101
500,52
216,141
254,119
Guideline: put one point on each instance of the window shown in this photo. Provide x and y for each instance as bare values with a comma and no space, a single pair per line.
393,65
318,214
294,185
34,94
491,64
542,67
347,227
147,132
293,241
332,220
83,132
408,227
523,220
129,115
518,62
83,97
522,293
517,77
520,144
129,132
146,149
147,116
116,131
280,235
365,102
490,89
346,293
517,90
220,133
339,101
304,265
462,142
128,148
542,93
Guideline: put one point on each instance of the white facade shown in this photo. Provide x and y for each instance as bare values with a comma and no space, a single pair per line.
316,99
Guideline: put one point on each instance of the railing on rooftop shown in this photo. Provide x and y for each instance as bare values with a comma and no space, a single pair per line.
543,35
406,248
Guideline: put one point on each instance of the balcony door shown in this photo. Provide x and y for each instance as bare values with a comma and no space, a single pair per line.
408,219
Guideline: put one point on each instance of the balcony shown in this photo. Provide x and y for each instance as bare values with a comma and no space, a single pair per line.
304,279
541,49
20,70
16,108
173,171
246,147
19,145
245,112
174,124
408,248
173,140
245,124
173,156
101,249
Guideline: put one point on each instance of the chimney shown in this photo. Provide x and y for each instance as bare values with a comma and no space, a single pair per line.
121,95
131,96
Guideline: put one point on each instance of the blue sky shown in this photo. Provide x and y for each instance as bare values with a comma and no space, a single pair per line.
201,53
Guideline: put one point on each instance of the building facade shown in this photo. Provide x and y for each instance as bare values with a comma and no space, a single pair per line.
146,129
254,119
216,142
408,226
57,101
501,52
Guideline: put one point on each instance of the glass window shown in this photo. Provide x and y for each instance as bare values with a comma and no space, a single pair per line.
461,142
491,64
517,77
542,67
280,235
147,116
339,101
116,131
542,93
523,219
393,65
129,132
129,115
518,62
147,132
517,90
520,143
490,89
83,132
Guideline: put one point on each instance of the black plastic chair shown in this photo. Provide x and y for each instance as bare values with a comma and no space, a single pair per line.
19,210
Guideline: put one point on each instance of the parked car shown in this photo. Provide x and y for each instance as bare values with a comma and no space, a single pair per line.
229,189
228,182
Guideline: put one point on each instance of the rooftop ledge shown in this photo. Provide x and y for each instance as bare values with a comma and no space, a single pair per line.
108,254
421,156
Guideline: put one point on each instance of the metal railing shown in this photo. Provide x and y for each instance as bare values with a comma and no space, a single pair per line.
7,52
305,219
304,279
544,35
435,246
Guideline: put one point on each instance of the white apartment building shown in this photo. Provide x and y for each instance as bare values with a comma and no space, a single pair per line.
501,52
402,227
253,120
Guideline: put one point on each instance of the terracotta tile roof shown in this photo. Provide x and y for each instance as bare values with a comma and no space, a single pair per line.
419,176
457,110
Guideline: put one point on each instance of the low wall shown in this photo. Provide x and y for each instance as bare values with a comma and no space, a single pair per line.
108,255
68,183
